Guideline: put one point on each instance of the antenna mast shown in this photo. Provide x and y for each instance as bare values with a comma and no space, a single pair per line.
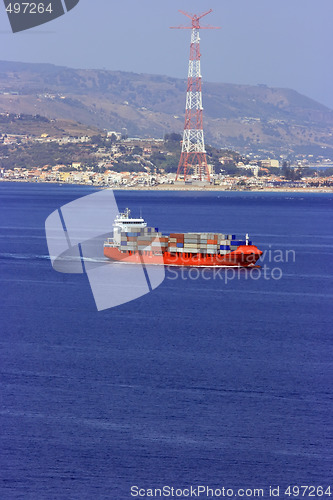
193,154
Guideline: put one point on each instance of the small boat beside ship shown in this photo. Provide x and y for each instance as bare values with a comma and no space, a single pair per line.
133,241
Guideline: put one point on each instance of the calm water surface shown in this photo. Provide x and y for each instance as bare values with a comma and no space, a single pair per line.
199,382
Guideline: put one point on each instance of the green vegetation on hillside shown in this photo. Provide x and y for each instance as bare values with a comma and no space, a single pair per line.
34,155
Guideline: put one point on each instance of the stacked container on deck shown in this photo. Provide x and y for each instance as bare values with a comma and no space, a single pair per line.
144,239
204,243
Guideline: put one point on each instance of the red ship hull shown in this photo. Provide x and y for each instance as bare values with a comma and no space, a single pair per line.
243,256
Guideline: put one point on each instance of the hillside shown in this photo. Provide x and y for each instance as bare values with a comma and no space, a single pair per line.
38,125
248,118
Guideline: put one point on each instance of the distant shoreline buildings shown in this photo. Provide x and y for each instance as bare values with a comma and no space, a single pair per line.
114,160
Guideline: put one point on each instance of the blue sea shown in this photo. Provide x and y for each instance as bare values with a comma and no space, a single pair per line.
211,380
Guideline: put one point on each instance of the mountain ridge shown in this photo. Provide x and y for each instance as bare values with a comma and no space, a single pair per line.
245,117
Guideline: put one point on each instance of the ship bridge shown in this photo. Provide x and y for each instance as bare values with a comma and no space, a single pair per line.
125,223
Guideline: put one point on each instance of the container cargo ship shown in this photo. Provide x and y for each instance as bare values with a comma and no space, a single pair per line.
134,242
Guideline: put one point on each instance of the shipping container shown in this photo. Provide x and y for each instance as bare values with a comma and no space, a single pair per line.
158,244
144,237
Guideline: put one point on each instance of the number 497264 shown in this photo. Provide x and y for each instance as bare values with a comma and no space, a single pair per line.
28,8
308,491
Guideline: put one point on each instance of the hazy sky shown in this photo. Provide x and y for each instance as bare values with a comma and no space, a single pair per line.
283,43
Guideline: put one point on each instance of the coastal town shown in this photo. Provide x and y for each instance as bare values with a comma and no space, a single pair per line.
112,159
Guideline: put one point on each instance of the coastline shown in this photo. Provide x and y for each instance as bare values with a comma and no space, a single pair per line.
173,187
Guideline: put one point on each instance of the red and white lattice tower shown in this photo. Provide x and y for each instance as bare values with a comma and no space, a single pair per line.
193,154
